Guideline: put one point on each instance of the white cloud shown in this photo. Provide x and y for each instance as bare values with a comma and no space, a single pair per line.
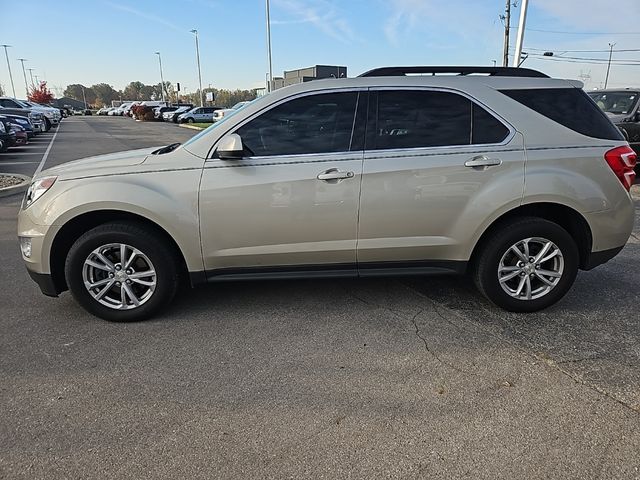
320,13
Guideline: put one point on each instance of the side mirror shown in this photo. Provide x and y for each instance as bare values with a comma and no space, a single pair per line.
230,148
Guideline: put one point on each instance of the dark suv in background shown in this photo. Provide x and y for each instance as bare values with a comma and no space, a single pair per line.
622,106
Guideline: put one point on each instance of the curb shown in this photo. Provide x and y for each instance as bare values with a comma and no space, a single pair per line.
15,189
186,125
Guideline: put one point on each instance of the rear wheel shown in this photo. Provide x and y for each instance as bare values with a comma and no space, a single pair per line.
526,265
122,272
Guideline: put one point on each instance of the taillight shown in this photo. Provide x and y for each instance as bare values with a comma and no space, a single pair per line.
622,160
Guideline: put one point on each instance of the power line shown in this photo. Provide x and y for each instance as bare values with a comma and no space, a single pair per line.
583,51
584,58
582,33
601,62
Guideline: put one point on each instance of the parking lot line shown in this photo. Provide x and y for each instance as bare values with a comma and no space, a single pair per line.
15,163
46,153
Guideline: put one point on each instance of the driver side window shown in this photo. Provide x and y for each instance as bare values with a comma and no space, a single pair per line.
319,123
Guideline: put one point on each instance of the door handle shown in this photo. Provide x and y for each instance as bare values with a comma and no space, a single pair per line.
482,161
334,174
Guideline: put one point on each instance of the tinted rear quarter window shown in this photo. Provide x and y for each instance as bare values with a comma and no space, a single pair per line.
486,128
570,107
413,119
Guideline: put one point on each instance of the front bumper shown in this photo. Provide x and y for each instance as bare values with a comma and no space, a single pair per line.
45,282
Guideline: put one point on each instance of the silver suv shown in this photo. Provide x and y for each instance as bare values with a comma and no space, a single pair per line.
511,176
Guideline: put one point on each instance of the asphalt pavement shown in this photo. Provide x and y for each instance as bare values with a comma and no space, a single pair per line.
378,378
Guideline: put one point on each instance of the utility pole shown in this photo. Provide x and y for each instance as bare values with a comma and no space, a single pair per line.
507,26
161,77
270,84
520,39
24,74
13,88
84,99
195,32
37,82
606,80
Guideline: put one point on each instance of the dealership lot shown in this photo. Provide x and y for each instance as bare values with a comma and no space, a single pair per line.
405,378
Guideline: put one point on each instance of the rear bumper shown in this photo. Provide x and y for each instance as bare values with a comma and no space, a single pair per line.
598,258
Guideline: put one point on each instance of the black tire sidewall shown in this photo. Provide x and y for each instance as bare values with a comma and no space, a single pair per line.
508,236
160,256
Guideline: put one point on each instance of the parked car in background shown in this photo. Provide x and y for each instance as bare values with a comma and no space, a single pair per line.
122,108
12,106
159,111
52,115
198,115
24,122
7,134
622,106
220,114
103,111
384,174
21,134
173,116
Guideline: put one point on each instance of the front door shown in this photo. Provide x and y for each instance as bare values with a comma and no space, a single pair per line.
291,204
437,165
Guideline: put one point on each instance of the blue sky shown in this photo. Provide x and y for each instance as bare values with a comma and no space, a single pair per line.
114,41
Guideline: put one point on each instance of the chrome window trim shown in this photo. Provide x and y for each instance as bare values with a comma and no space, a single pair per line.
505,142
271,106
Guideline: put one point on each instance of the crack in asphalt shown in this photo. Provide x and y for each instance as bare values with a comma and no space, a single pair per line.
403,316
549,362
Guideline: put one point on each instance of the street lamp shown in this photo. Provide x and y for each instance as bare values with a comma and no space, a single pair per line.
24,74
161,77
270,83
13,88
195,32
33,85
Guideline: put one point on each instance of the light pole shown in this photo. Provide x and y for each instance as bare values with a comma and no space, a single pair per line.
270,83
161,77
606,80
13,88
84,99
33,85
24,74
195,32
521,25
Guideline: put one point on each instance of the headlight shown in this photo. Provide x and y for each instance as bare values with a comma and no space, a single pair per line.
37,189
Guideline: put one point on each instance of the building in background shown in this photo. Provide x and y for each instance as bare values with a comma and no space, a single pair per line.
291,77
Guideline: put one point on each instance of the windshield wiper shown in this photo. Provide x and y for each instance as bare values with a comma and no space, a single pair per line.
167,149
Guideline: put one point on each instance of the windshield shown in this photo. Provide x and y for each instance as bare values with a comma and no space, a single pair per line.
619,103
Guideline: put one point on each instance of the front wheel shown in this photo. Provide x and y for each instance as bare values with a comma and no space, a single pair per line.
190,120
122,272
47,124
527,265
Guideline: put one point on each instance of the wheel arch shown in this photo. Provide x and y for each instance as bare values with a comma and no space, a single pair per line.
78,225
566,217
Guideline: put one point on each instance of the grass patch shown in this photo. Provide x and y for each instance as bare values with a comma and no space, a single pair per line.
200,125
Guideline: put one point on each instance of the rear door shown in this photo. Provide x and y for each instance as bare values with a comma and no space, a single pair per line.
437,166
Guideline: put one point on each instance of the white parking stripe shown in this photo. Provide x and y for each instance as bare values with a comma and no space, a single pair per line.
46,154
15,163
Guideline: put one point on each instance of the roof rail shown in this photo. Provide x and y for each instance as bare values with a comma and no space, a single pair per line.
491,71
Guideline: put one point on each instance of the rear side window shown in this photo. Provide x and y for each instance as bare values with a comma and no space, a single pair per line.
570,107
413,119
486,128
419,118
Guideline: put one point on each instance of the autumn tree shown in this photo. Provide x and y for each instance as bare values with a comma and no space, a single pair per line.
40,94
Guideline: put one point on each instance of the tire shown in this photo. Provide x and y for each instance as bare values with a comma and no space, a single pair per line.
190,120
496,257
4,146
154,255
47,124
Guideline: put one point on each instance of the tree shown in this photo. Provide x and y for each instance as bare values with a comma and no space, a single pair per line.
133,91
105,94
41,94
75,91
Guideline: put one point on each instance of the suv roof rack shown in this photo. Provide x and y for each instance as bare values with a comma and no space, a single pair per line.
491,71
